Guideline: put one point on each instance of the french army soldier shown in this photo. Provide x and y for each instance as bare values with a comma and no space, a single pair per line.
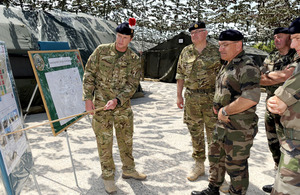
196,71
110,79
278,67
236,96
286,102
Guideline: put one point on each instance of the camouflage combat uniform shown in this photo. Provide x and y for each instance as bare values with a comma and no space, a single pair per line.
108,75
230,148
199,72
275,62
288,176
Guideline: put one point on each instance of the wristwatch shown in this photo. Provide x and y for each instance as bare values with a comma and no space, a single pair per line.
224,112
267,72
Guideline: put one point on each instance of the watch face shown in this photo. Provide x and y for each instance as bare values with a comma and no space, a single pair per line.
224,112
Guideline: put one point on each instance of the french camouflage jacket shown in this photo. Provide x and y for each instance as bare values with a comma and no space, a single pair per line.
277,62
108,76
289,93
239,78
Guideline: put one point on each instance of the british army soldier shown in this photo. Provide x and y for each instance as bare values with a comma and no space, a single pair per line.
197,67
110,79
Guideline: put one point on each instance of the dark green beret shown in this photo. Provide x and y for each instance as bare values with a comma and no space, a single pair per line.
281,30
231,35
295,26
196,25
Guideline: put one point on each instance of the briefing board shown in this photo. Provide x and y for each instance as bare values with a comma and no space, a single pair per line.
16,159
59,76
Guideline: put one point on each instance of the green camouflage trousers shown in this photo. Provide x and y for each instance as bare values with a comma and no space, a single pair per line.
229,151
197,112
287,180
273,127
103,122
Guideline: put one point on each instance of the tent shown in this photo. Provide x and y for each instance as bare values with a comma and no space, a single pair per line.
160,62
21,30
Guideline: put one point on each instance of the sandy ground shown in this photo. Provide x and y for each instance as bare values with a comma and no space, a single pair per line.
162,150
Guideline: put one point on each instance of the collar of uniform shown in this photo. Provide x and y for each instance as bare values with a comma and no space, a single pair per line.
112,49
296,57
205,48
238,58
115,50
291,52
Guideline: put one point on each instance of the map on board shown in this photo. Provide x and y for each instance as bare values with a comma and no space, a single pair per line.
63,94
59,75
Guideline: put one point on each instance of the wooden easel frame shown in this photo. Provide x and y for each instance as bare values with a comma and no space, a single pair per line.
31,53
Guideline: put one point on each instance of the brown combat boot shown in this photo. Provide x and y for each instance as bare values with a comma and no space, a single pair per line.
197,171
134,175
110,186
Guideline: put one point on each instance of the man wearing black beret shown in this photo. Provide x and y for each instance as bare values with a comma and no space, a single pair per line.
110,79
237,93
286,103
278,67
197,68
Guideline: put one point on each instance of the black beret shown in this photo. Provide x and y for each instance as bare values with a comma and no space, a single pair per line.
196,25
124,29
281,30
231,35
295,26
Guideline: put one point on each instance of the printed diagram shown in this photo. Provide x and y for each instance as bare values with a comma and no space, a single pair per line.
12,146
66,92
5,85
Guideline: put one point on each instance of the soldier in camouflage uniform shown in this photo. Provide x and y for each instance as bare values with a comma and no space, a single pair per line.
286,102
236,96
196,71
110,79
278,67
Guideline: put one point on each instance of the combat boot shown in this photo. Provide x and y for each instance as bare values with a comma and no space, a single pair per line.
211,190
197,171
110,186
225,187
268,188
134,175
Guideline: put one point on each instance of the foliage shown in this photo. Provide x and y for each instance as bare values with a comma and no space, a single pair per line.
268,47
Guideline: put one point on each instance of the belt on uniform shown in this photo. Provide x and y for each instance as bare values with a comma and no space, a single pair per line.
292,133
201,90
